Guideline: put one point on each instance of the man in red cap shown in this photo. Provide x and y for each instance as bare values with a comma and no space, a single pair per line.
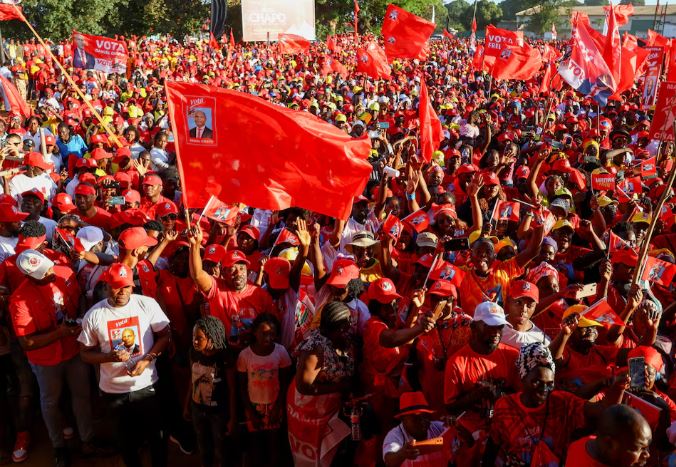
152,195
10,222
124,334
85,199
36,177
134,244
231,299
522,298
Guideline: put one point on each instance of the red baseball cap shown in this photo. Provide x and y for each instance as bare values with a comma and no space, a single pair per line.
232,257
123,178
64,203
214,253
443,288
520,289
133,216
278,270
118,275
251,231
99,138
50,140
135,237
490,178
343,271
34,192
132,196
152,179
8,199
382,290
29,243
166,208
35,159
85,163
85,189
100,154
9,213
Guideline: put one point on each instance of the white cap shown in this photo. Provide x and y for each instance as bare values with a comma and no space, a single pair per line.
34,264
90,236
490,313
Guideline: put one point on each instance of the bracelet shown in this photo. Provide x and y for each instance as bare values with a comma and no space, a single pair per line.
530,214
153,356
410,196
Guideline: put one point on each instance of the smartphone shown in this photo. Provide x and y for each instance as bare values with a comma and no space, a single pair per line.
116,201
383,125
456,244
637,372
587,291
374,134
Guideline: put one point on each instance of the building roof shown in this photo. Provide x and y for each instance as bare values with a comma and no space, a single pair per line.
647,10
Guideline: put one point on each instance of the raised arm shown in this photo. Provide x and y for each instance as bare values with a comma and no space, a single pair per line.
203,280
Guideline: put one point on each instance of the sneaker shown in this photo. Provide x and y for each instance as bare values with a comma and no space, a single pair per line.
68,433
20,451
186,447
61,457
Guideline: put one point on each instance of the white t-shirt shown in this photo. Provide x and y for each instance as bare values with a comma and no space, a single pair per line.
7,246
21,183
397,438
518,339
129,327
263,373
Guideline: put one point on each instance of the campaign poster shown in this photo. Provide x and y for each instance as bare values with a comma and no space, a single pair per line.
200,118
266,19
125,334
99,53
662,126
653,69
498,39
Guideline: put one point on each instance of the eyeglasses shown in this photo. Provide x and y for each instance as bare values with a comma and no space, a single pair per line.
170,217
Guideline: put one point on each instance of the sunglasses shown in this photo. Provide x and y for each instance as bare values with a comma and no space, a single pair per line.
170,217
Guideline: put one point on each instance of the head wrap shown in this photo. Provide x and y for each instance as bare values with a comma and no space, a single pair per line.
532,356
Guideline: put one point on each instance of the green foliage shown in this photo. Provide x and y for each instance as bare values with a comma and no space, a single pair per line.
511,7
595,2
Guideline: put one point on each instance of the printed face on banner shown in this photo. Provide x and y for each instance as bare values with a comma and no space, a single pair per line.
200,118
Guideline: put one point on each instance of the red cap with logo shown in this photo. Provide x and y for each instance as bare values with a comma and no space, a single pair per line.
9,213
383,291
233,257
165,208
214,253
344,270
135,237
278,270
85,189
118,275
35,159
63,202
152,179
520,289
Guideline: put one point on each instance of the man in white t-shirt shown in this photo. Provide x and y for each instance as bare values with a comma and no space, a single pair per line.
124,334
36,177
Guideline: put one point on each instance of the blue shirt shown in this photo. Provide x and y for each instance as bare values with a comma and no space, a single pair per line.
74,145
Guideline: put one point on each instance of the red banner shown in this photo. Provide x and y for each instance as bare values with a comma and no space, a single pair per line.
658,271
497,39
603,313
603,181
653,69
662,126
99,53
649,168
241,148
507,211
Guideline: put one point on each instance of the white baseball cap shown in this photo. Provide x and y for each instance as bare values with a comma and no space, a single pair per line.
34,264
90,236
490,313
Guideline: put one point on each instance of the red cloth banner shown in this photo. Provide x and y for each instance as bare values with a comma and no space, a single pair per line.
371,60
405,34
99,53
497,39
10,12
261,154
603,181
662,126
653,70
293,44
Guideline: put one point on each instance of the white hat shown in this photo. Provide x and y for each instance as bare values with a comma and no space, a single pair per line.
34,264
490,313
90,236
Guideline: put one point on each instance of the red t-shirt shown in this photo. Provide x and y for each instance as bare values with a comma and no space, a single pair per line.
149,208
475,289
381,370
577,369
102,219
39,308
237,310
578,455
178,297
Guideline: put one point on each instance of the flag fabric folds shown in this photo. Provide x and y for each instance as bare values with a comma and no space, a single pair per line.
404,33
371,60
293,44
431,131
9,12
516,62
13,100
262,154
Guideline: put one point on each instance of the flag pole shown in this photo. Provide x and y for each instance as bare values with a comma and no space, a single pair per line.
643,253
69,78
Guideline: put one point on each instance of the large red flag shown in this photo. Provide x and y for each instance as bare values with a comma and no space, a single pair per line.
662,126
13,100
431,131
405,34
10,12
372,61
516,62
478,59
622,13
633,58
658,271
612,48
293,44
657,39
262,154
331,65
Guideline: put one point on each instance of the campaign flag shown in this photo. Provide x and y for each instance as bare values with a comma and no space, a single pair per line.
219,12
431,131
612,48
653,71
649,168
331,65
516,62
371,60
293,44
261,154
232,40
507,211
443,270
497,39
547,78
447,34
404,33
418,220
615,243
392,227
622,13
603,181
633,58
331,43
585,69
544,217
658,271
12,98
9,12
99,53
554,32
649,411
219,211
286,236
213,43
656,39
671,63
478,58
662,126
602,312
631,185
550,54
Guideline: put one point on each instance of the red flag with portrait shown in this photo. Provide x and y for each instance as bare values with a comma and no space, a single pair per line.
602,312
392,227
418,220
658,271
507,211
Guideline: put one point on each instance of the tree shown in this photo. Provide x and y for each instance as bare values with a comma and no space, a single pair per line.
487,13
456,14
595,2
511,7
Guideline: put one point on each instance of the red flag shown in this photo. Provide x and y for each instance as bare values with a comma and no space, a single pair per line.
497,39
622,13
392,227
373,62
603,313
612,49
544,217
405,34
286,236
649,168
331,65
356,7
9,12
448,34
293,44
546,83
13,100
217,210
658,271
431,131
631,185
262,154
212,41
602,181
331,43
474,25
444,270
633,58
516,62
418,220
649,411
478,59
662,126
551,54
507,211
232,40
616,242
657,40
671,63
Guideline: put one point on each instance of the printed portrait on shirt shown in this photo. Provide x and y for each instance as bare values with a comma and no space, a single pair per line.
124,334
203,383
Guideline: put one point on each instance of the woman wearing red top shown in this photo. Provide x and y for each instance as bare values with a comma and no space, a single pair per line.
534,426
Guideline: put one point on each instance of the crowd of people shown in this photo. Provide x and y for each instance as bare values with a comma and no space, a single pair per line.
446,321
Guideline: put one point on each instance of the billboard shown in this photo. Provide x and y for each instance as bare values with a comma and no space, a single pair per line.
260,17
